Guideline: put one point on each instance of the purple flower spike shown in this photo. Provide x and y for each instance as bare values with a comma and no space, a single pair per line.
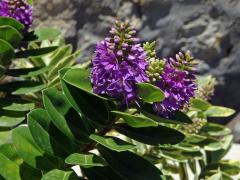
178,84
120,63
17,9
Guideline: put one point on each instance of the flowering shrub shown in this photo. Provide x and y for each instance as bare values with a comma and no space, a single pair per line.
99,119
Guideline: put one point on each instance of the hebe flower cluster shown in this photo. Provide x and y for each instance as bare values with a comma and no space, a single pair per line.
178,84
17,9
120,64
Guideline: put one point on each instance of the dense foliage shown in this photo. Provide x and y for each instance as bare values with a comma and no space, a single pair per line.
131,115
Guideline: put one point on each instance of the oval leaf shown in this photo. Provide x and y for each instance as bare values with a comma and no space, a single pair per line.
151,135
130,166
6,52
29,151
135,121
219,111
112,143
11,22
150,93
60,175
87,160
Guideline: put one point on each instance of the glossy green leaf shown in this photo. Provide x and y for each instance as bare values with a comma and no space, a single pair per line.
6,52
79,78
39,134
10,152
135,121
11,22
219,111
130,166
101,173
26,72
85,160
77,88
150,93
22,87
10,118
112,143
151,135
199,104
36,87
35,52
56,174
16,104
8,169
214,155
47,136
57,105
29,151
10,34
217,176
60,54
5,137
67,61
213,129
230,167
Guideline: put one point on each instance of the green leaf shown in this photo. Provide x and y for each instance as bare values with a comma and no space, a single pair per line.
199,104
112,143
22,87
77,89
85,160
214,155
60,175
6,52
129,165
47,136
10,152
11,22
35,52
10,118
57,105
39,134
11,35
8,169
217,176
79,78
29,151
135,121
67,61
218,111
61,53
16,104
151,135
101,173
47,34
5,137
230,167
150,93
25,72
213,129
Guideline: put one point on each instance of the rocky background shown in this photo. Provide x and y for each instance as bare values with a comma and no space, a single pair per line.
209,28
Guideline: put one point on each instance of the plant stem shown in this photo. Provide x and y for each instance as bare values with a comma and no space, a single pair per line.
183,171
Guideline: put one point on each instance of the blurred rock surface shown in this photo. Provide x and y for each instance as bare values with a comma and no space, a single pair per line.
209,28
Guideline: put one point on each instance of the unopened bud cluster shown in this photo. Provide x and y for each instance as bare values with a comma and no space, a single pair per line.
156,65
196,126
206,87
